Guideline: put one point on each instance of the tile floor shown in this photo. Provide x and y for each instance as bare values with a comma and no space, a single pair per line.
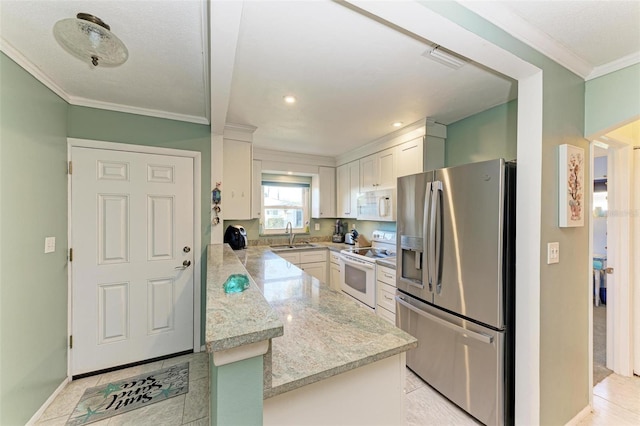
190,409
616,401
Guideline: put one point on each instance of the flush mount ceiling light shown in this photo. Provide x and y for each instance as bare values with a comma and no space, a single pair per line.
438,54
290,99
90,39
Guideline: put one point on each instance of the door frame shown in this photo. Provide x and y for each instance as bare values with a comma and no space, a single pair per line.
197,225
619,296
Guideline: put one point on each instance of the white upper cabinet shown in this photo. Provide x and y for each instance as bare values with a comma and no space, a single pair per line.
378,171
256,190
347,189
236,180
323,193
410,157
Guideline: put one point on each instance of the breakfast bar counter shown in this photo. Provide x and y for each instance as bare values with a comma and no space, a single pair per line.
325,332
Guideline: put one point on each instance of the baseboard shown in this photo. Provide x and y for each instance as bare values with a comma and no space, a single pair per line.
581,415
48,402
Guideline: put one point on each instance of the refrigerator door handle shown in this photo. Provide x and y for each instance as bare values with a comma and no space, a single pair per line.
431,242
484,338
426,225
437,234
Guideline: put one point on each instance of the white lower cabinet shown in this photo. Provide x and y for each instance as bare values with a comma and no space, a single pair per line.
334,270
313,262
385,293
316,269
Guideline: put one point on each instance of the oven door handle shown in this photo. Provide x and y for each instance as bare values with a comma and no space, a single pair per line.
484,338
357,263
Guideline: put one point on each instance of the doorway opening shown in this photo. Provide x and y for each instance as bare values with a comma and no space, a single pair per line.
599,254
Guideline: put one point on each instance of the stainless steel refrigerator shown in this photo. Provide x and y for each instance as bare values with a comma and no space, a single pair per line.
456,283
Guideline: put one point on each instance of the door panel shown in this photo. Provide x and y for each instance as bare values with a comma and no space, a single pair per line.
113,312
160,228
113,228
471,256
132,214
460,359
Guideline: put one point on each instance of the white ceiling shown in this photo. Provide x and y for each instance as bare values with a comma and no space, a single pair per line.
353,76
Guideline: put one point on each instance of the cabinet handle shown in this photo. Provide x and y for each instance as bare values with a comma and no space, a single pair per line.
388,276
387,297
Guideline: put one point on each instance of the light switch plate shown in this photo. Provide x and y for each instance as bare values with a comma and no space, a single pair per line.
553,253
49,244
316,226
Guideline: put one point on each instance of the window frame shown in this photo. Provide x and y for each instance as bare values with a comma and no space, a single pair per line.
306,208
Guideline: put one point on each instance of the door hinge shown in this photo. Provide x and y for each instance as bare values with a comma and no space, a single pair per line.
71,342
70,255
70,168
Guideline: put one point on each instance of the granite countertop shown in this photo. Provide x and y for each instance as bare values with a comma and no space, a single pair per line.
238,319
389,262
325,332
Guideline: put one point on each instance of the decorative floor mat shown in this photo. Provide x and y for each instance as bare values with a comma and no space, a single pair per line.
119,397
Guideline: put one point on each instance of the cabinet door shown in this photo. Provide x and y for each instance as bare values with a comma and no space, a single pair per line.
410,157
347,189
316,269
369,173
310,256
256,190
290,257
343,191
334,276
323,193
236,180
386,169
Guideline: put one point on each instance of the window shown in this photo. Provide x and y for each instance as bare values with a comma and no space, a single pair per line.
285,202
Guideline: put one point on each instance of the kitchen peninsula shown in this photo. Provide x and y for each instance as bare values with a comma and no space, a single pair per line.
326,360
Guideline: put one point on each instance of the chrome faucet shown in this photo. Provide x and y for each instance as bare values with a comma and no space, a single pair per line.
289,230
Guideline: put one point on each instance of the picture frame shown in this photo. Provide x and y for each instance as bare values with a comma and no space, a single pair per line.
572,201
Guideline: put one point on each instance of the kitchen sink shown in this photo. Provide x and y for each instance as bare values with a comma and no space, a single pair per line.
293,246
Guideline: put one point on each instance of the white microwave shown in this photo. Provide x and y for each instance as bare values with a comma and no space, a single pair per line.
377,205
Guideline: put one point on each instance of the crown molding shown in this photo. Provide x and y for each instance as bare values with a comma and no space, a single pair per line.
17,57
613,66
90,103
528,34
13,53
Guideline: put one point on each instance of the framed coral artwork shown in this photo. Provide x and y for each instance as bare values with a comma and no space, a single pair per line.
572,200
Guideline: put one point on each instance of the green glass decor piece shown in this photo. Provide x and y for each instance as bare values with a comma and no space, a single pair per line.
236,283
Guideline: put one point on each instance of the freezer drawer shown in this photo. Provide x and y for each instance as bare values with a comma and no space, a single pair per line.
460,359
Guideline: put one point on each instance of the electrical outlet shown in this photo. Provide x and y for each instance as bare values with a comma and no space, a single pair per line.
49,244
316,226
553,253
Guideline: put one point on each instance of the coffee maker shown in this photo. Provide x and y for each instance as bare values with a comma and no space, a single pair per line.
338,233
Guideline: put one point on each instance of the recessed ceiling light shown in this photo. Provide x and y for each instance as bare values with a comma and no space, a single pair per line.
397,124
290,99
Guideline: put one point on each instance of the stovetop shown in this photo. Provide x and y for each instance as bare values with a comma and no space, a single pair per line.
370,252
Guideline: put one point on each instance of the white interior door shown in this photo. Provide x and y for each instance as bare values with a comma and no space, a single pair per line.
132,271
636,257
619,259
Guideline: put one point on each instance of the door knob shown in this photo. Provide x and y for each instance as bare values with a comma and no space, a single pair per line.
185,265
608,270
186,249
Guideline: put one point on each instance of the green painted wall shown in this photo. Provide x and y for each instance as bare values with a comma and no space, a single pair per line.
564,304
33,285
97,124
611,100
484,136
236,392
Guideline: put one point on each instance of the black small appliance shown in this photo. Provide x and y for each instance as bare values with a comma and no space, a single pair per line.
236,237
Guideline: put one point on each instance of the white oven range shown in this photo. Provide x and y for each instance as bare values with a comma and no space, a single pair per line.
358,267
